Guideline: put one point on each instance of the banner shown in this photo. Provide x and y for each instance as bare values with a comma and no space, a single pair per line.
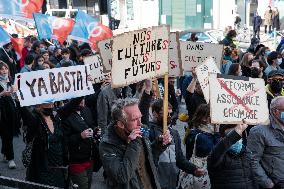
89,29
194,54
52,27
95,65
4,37
52,85
106,53
175,65
20,8
202,72
234,99
139,55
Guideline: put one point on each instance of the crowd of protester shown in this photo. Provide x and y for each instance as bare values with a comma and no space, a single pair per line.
121,130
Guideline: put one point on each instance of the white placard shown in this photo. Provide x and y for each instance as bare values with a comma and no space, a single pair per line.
139,55
202,72
52,85
234,99
175,66
106,54
96,68
194,54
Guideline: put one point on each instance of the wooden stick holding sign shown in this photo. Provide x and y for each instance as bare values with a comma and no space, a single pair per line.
166,103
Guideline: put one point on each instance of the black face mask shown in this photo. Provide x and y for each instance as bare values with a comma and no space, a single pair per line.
79,108
276,86
47,111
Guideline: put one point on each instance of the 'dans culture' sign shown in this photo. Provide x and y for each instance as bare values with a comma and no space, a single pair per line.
194,54
234,99
139,55
96,68
52,85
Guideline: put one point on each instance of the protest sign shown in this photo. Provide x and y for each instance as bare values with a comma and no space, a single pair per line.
234,99
52,85
106,54
193,54
175,68
139,55
202,72
96,68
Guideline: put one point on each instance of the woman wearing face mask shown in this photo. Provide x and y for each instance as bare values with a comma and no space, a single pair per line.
273,62
44,133
38,65
274,87
235,70
202,131
245,64
9,117
228,164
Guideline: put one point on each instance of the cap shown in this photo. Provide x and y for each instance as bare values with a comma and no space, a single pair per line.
274,73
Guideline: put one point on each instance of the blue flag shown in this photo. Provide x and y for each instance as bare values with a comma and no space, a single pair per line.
43,25
83,27
4,37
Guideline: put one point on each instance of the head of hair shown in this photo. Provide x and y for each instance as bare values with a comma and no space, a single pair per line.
3,64
29,59
86,52
232,34
65,51
158,104
275,102
234,69
14,35
202,111
117,112
35,45
245,60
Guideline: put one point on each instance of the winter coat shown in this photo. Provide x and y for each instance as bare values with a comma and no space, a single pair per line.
204,144
62,62
257,21
266,144
12,65
172,160
120,160
227,170
268,17
80,150
276,21
9,115
193,100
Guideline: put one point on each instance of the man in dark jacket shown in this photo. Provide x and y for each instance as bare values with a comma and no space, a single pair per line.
78,133
228,164
266,144
126,152
257,21
172,159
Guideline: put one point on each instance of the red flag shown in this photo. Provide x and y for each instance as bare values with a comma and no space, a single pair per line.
62,27
102,32
31,6
18,44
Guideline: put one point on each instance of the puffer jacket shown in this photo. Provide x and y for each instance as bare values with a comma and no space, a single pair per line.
120,161
227,170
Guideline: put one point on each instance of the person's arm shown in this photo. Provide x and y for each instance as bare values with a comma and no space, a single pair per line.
255,147
218,153
191,86
102,110
181,162
145,102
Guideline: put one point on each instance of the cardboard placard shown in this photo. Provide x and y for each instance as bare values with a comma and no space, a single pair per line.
202,72
52,85
106,54
95,65
139,55
175,65
194,54
234,99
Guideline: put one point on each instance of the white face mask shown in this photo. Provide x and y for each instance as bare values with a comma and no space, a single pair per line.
240,73
279,61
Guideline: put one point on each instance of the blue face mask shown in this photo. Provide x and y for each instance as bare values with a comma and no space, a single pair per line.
267,53
238,146
4,77
282,116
